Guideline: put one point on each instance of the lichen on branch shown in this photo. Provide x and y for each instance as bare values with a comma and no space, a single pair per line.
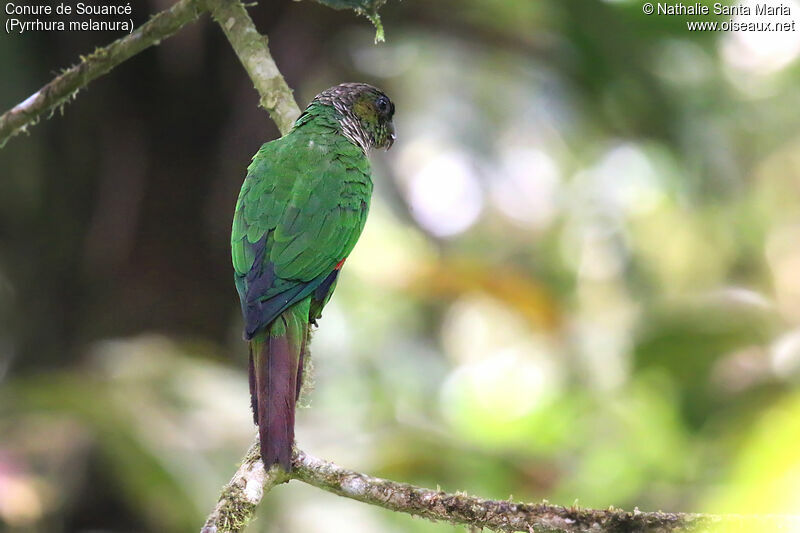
239,498
460,508
249,45
65,86
252,50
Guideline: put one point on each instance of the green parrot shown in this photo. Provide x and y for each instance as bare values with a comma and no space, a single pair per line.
301,210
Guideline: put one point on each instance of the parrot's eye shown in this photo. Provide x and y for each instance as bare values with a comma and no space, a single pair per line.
383,104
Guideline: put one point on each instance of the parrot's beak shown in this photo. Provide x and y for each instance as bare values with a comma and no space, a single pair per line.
390,137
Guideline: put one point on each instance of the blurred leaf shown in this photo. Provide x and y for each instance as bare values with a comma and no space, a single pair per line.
687,340
634,440
765,478
368,8
517,289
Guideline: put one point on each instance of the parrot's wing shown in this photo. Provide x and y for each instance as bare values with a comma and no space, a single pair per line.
296,223
325,215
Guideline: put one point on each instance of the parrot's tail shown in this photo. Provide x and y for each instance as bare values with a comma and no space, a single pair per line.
275,369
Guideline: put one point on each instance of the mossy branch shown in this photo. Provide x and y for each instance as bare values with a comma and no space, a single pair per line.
64,87
241,496
252,50
250,47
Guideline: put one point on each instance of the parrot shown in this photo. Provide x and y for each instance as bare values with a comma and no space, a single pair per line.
302,207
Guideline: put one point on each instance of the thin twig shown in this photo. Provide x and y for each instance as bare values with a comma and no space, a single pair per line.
65,86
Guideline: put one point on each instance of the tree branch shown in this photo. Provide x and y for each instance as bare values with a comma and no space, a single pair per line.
240,497
252,50
249,45
65,86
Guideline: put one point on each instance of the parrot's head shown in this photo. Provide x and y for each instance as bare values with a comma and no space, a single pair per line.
364,112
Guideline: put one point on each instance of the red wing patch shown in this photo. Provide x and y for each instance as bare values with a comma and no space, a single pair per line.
339,264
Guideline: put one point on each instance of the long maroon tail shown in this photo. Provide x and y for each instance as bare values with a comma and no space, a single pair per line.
273,385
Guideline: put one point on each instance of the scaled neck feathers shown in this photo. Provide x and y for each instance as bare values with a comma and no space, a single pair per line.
335,113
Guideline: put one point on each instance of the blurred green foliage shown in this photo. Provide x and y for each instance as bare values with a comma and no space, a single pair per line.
579,280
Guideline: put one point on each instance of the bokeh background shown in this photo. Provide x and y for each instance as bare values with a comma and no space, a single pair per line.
579,281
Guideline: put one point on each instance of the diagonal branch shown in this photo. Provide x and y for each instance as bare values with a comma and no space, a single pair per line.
249,45
65,86
241,496
252,50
